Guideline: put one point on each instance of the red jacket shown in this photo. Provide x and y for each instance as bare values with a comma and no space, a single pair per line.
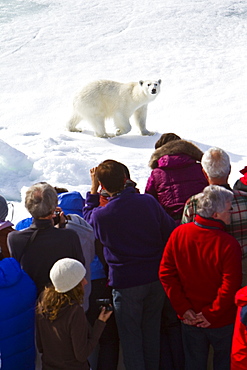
239,340
201,270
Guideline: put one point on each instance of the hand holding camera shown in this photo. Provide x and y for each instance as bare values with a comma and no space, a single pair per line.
105,307
104,315
59,218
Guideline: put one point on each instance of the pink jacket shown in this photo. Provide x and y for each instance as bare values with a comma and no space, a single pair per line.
176,176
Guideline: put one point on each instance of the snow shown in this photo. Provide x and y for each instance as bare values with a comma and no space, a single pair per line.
51,49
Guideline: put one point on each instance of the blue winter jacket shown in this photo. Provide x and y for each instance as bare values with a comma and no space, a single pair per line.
17,317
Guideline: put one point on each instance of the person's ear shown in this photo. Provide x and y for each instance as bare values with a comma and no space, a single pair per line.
215,215
205,174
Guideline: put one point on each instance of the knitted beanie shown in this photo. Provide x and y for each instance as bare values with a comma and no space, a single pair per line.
66,273
3,208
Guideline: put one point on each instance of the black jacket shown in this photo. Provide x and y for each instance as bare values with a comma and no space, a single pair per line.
49,245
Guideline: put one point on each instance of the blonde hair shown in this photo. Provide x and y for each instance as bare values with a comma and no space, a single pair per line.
51,301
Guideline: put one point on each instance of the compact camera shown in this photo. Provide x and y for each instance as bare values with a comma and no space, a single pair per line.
104,302
56,219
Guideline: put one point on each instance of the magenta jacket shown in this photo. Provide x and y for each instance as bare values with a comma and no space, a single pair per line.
176,176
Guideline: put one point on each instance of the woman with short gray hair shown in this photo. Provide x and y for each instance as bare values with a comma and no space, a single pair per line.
201,271
212,200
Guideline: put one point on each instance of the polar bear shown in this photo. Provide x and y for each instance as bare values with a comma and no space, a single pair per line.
103,99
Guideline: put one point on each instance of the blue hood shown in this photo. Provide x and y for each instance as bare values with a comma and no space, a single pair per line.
71,202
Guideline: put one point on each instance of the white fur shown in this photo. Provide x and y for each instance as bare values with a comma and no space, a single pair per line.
104,99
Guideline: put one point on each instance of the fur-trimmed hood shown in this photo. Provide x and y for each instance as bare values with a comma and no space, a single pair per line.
173,148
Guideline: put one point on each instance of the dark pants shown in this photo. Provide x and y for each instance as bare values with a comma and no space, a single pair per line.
197,342
138,312
171,343
109,340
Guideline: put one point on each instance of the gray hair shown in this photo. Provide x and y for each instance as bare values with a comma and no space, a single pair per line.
213,199
41,200
216,163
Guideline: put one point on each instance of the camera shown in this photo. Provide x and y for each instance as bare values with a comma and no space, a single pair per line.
56,219
104,302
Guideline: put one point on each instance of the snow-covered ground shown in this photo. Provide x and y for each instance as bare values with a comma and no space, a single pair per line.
49,49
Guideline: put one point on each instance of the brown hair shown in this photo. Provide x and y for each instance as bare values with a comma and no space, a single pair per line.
51,301
165,138
112,175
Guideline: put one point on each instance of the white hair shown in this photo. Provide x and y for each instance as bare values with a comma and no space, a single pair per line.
216,163
213,199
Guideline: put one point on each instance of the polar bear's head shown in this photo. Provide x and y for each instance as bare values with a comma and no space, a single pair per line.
150,87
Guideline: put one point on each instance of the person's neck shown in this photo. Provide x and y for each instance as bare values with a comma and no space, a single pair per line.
217,181
46,218
114,193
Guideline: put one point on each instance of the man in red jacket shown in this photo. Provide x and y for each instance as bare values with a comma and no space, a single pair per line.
201,272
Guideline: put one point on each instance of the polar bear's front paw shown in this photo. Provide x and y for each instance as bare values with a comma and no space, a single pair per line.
104,136
118,132
74,129
147,133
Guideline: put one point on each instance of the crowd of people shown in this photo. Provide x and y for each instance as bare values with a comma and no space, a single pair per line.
160,275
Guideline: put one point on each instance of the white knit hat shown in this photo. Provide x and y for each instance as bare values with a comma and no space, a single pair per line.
66,273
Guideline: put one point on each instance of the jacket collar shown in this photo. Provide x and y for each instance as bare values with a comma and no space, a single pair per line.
126,191
174,148
227,186
41,224
209,223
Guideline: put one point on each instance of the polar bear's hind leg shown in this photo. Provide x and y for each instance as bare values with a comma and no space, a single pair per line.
73,122
98,124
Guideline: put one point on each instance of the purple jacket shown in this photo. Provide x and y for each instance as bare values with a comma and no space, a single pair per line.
176,176
133,229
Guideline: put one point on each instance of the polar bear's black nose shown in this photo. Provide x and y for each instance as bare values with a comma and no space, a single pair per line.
153,91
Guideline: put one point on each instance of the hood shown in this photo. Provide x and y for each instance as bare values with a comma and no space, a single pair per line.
241,297
71,202
175,161
77,220
173,148
10,272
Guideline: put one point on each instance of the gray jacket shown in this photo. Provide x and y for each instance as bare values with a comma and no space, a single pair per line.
86,236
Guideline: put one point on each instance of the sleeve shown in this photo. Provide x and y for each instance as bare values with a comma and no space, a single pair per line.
243,315
150,187
169,278
15,246
37,335
92,201
231,282
84,338
75,241
167,225
189,211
